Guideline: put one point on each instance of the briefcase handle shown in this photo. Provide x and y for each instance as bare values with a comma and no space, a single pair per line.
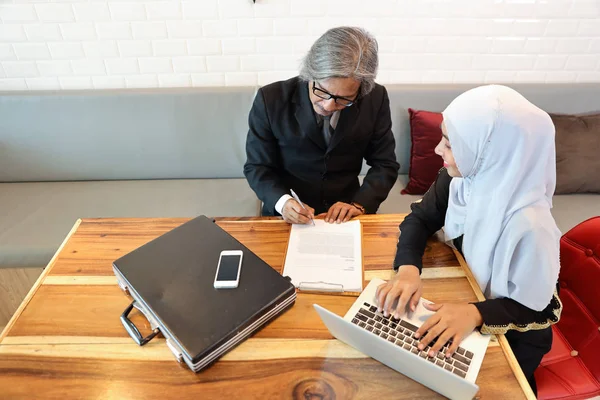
133,330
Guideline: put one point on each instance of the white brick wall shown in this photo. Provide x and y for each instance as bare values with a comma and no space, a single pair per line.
81,44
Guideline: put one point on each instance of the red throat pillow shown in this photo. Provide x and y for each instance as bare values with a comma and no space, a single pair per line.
425,134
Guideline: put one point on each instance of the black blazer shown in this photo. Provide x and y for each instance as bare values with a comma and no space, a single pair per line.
285,149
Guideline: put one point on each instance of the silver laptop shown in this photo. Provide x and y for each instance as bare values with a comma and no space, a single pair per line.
391,342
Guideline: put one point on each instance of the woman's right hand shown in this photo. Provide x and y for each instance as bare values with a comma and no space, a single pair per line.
406,286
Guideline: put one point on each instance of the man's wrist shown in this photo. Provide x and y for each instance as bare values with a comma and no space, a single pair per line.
359,207
281,202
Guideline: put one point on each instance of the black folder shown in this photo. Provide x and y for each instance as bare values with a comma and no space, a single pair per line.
171,282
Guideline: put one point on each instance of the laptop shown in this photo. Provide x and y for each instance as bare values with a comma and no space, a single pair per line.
391,342
171,281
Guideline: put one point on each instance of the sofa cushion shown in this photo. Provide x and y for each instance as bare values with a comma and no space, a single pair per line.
577,149
39,215
125,134
425,134
572,209
397,203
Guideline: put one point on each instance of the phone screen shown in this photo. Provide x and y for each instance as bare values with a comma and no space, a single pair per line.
228,270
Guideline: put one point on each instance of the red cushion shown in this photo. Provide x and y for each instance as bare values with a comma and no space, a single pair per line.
425,134
562,375
581,331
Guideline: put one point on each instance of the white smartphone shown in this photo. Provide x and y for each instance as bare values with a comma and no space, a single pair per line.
228,269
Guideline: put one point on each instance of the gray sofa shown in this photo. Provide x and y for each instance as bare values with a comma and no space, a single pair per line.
174,153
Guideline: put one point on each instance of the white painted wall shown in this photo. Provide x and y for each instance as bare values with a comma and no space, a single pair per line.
78,44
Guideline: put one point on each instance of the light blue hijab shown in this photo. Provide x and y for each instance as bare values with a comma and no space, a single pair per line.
504,148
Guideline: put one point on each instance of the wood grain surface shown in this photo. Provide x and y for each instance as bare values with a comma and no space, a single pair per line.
66,340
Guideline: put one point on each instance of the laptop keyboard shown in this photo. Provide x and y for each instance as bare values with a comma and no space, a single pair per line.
402,333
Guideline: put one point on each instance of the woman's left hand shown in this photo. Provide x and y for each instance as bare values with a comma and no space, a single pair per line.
451,321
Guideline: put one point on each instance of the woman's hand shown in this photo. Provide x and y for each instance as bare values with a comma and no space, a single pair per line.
451,321
405,287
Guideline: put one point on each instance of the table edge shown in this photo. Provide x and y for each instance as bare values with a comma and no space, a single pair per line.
369,218
506,349
38,282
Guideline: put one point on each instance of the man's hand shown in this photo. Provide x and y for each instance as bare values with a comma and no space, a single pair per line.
341,212
451,321
403,291
293,213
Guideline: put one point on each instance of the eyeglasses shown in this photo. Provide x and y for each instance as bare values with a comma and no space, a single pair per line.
325,95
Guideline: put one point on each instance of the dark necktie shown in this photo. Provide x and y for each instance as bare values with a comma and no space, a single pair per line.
327,130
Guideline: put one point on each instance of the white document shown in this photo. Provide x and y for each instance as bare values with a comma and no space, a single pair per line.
325,257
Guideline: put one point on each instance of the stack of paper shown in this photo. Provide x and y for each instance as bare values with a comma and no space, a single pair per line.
325,257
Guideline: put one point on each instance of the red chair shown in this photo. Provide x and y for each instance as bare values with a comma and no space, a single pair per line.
571,370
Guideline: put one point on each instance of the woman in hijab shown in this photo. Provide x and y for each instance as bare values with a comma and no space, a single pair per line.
493,199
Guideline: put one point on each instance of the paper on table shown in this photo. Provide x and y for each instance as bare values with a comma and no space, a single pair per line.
325,257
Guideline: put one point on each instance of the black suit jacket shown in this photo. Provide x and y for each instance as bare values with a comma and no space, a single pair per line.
286,150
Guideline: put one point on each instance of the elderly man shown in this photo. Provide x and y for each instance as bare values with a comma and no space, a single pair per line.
309,135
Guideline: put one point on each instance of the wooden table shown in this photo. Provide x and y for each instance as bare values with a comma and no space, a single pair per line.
66,340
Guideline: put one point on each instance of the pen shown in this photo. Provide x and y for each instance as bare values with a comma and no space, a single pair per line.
301,204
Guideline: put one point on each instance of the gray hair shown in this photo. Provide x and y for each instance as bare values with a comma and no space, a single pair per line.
343,52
